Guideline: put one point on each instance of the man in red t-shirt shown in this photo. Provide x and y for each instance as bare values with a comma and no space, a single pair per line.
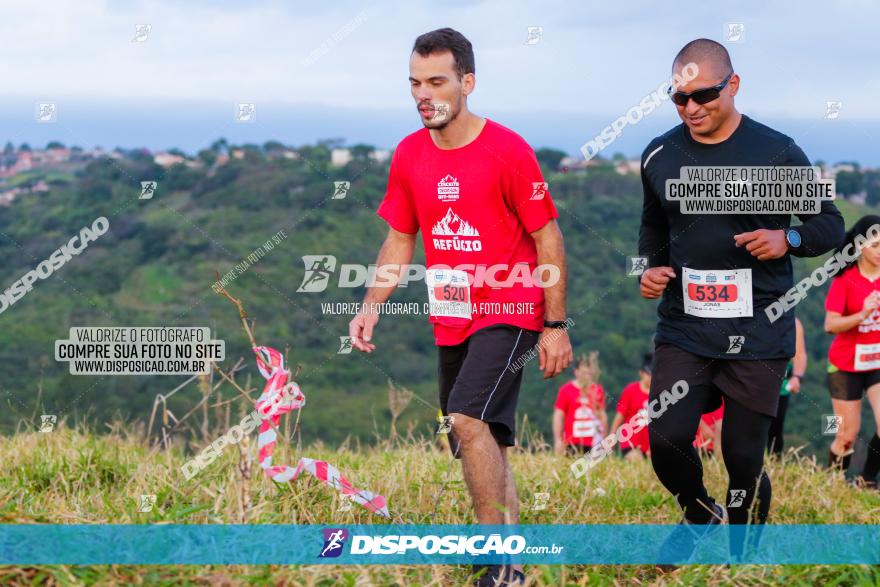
579,418
631,408
476,192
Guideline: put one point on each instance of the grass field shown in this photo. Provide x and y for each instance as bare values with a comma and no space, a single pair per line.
74,475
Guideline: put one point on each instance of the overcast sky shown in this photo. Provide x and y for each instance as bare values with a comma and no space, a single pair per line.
593,62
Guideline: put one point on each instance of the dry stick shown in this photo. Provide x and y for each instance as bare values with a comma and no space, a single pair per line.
244,469
205,397
249,398
242,313
204,386
175,390
39,395
247,328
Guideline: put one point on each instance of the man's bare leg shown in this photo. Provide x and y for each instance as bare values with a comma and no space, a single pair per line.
483,467
487,473
511,500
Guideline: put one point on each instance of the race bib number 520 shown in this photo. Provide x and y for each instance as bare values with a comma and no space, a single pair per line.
449,293
717,294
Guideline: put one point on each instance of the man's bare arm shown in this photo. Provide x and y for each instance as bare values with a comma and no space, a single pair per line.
555,353
396,251
551,251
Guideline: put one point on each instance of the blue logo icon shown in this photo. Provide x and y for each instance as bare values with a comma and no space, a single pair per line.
334,541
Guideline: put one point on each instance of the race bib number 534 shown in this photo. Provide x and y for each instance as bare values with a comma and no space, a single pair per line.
717,293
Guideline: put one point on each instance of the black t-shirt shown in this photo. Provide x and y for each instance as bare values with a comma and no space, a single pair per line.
705,241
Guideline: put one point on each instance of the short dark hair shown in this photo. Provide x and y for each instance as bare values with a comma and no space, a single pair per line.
447,39
705,50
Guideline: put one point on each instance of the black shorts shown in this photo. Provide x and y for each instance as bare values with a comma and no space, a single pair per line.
851,386
475,378
753,383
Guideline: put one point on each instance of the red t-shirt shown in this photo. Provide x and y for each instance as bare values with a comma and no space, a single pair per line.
847,296
476,206
581,425
709,420
632,406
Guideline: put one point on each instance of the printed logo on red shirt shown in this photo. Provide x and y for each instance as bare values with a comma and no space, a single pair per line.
539,190
447,189
465,237
871,323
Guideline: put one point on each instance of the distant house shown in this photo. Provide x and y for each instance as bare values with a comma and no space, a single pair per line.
574,163
625,167
59,155
7,196
167,159
340,157
380,155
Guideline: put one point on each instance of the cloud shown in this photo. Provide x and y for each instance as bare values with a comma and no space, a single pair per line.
596,58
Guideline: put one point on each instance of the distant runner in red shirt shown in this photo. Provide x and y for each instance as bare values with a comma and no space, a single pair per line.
709,432
475,191
579,418
852,314
631,408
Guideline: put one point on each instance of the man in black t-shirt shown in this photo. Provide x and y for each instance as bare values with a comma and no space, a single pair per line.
716,274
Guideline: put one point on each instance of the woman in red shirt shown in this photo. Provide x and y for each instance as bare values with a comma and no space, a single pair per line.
852,314
632,409
579,418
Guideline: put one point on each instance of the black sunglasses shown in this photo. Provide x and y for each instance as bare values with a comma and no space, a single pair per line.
702,96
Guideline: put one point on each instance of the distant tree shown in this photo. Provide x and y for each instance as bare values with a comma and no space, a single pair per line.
269,146
54,145
872,187
9,149
207,156
24,147
550,158
331,143
220,146
849,182
361,152
176,151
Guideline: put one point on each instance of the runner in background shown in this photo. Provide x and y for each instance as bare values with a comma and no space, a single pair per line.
709,431
579,418
631,409
851,314
794,373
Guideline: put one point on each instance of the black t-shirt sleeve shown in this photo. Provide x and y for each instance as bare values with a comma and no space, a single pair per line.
820,232
654,229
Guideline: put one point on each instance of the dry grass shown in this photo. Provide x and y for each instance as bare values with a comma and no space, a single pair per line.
74,476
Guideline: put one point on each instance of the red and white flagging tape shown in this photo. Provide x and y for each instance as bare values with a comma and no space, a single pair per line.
281,396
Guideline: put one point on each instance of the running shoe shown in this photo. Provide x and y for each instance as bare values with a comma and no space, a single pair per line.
679,546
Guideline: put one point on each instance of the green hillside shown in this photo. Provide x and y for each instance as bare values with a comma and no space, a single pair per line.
156,265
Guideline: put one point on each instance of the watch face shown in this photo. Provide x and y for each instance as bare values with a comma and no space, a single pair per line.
793,237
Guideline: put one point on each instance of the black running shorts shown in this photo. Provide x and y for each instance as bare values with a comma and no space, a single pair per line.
850,386
753,383
475,378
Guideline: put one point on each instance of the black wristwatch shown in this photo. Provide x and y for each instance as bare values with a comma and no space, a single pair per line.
555,323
